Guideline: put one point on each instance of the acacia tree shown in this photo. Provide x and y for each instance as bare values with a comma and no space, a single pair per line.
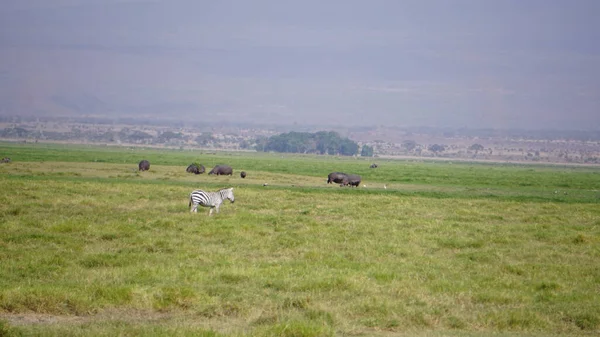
366,151
436,148
409,145
476,147
348,147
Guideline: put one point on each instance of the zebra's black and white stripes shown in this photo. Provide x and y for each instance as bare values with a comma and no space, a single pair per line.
210,199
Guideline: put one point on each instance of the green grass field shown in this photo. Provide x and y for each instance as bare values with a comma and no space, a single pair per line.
89,246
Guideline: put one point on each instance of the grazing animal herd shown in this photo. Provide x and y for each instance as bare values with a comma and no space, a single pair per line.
144,165
352,180
213,200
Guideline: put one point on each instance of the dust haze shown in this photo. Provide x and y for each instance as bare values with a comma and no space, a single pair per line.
465,63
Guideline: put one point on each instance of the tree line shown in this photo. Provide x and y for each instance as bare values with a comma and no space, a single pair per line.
322,142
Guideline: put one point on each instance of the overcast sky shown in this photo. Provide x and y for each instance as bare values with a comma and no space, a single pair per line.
455,63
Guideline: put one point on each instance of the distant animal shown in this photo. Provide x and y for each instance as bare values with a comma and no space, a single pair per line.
5,160
222,170
336,177
210,199
373,165
352,180
195,169
243,174
144,165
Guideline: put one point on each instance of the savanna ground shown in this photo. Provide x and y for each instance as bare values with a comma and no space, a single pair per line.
91,246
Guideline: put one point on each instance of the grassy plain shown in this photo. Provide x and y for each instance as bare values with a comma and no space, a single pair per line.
90,246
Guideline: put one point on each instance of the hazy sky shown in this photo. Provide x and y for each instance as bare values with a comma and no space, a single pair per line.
471,63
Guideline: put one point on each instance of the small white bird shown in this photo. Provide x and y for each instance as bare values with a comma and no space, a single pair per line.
384,186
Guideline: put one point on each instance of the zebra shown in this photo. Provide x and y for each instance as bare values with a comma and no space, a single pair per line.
210,199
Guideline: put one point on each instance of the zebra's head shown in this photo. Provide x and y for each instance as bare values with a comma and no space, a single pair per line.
228,194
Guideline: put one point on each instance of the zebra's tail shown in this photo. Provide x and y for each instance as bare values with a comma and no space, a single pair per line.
190,203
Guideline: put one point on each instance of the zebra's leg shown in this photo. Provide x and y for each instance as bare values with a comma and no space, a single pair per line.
210,212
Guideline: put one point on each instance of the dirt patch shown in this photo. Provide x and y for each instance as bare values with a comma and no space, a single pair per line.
134,317
28,319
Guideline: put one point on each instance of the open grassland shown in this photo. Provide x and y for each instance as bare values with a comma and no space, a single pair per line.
91,246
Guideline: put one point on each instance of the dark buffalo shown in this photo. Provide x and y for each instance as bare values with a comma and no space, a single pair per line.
336,177
243,174
196,169
222,170
373,165
144,165
351,180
